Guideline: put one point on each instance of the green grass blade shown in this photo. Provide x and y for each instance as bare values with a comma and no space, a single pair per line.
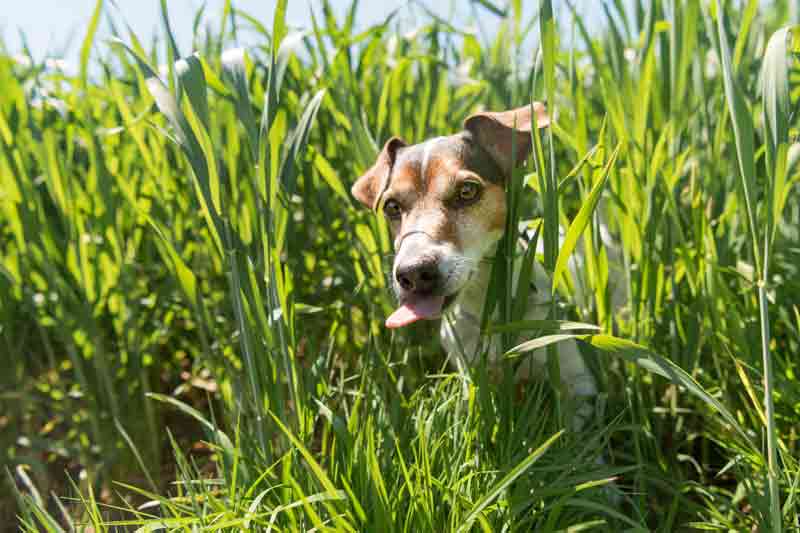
547,29
582,220
88,42
288,171
777,101
539,342
507,480
235,74
173,44
279,28
524,325
193,84
742,123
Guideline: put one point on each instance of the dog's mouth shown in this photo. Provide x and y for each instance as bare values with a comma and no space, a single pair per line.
415,308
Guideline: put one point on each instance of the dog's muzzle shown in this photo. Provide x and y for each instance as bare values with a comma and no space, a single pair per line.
421,273
417,265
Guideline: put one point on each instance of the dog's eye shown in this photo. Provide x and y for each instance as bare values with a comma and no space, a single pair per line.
468,192
392,209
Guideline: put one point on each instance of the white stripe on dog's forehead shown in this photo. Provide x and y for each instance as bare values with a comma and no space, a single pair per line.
427,149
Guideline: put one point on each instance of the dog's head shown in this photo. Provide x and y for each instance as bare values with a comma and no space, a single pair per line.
445,202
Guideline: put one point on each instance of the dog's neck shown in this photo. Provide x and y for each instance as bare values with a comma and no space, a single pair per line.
461,324
472,297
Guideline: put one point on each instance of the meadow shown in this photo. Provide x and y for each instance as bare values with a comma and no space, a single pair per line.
192,303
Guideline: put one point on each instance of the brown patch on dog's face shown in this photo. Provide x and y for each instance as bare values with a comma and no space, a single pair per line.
427,184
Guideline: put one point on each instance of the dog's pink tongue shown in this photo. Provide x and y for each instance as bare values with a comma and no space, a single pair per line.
410,312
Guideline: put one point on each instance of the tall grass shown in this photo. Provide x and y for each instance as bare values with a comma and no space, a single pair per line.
192,304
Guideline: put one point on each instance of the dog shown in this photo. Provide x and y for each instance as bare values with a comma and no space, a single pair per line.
445,203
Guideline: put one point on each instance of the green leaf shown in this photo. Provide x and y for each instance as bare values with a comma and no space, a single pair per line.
492,8
775,91
547,28
192,81
539,342
279,24
582,220
526,325
165,523
578,167
749,14
742,123
331,177
136,454
526,274
288,172
775,94
173,44
88,41
234,72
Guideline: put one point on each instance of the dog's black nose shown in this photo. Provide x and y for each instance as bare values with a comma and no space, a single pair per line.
419,278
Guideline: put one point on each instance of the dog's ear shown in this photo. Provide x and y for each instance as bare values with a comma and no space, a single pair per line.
369,188
498,132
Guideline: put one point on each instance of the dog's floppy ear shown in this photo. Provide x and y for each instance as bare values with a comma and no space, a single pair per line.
498,132
369,188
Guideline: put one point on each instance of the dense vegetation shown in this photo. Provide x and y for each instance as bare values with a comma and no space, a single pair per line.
191,304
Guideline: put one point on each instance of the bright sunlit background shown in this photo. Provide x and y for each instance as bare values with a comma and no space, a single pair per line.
55,28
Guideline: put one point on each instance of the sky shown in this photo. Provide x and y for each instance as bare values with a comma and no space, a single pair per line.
57,27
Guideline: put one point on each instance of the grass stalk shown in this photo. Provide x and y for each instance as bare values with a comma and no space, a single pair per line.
773,473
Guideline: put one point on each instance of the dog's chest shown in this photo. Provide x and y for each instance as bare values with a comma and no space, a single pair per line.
461,326
461,336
